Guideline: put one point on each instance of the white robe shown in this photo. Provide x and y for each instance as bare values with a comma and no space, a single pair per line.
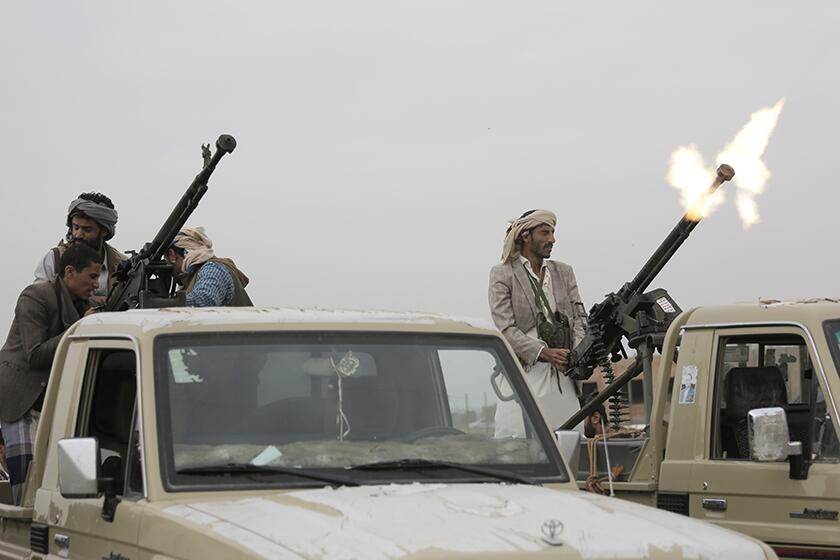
557,403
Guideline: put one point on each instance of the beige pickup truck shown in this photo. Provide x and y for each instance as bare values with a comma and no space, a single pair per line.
747,437
261,433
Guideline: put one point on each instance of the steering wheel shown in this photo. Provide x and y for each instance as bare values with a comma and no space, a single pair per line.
430,431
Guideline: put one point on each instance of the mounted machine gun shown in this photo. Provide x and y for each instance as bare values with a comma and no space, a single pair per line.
145,279
642,318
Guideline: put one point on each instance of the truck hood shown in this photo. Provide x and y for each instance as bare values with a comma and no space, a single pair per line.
443,520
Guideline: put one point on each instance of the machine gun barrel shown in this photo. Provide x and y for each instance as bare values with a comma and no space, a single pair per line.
145,279
675,239
630,311
189,201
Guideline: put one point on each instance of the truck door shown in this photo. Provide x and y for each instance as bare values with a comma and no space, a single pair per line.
756,368
106,411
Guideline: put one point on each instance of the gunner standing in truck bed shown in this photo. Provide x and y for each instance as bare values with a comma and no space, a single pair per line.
91,218
42,314
209,281
532,303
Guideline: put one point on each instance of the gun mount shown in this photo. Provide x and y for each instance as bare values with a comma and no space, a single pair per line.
145,279
642,318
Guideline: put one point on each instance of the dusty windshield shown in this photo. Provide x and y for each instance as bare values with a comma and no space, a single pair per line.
335,401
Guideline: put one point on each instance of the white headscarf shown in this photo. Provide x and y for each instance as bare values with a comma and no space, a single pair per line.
197,246
518,225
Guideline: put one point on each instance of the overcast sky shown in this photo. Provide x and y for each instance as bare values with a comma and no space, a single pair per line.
384,145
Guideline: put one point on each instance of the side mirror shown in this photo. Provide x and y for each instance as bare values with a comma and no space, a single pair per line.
80,476
569,442
769,439
78,468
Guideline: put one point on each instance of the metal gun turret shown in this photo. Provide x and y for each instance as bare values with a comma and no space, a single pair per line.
642,318
145,279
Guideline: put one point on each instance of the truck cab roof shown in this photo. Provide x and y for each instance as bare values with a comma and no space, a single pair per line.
149,322
810,312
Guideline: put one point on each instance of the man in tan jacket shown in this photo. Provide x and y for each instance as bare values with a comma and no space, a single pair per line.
43,312
530,295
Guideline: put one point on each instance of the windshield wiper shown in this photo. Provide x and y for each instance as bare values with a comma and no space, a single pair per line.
423,464
248,468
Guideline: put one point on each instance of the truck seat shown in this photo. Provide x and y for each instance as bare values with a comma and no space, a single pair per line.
113,403
747,388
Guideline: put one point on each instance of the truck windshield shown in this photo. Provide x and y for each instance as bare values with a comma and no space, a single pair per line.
327,401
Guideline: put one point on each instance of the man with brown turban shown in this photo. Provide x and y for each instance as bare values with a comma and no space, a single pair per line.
209,281
532,302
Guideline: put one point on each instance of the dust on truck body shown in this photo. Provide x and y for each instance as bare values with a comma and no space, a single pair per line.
747,435
260,433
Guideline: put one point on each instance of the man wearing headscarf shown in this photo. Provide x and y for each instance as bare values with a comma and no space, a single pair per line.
532,302
92,219
208,280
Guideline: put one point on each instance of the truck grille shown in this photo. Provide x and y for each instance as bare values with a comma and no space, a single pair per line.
673,502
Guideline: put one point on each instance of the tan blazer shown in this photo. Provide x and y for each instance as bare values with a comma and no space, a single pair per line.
42,314
514,310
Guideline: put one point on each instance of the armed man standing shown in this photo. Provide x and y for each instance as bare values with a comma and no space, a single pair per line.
532,302
43,312
91,218
209,281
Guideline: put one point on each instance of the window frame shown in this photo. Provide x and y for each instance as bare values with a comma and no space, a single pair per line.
174,483
830,328
755,334
135,447
444,407
96,351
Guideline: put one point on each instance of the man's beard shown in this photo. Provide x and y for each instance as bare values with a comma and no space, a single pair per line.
542,249
95,244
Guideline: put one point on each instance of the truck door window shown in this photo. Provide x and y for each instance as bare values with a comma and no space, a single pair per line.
757,372
107,410
475,408
826,446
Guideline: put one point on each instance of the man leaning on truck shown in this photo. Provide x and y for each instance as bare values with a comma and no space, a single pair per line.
42,314
532,302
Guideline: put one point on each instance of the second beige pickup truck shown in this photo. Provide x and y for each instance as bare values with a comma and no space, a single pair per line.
747,438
